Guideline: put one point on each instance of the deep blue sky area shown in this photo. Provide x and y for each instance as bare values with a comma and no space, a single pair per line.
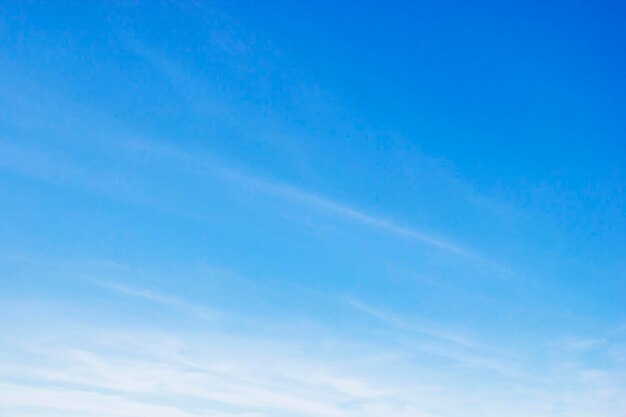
329,209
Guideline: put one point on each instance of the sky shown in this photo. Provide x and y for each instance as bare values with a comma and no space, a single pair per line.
328,209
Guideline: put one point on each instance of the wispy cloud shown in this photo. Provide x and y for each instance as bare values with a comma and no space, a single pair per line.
155,297
442,342
313,201
579,344
133,373
308,198
280,190
194,379
134,147
408,325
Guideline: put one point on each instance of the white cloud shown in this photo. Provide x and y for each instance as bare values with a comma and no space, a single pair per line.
155,297
124,375
138,371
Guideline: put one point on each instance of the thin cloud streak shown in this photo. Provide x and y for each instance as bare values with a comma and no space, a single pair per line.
318,202
284,190
276,189
152,296
136,145
450,345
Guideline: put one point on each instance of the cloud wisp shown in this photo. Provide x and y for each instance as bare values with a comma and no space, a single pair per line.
195,310
313,201
445,343
135,372
134,154
191,378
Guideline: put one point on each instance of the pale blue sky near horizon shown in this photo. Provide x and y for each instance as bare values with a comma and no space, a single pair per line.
312,209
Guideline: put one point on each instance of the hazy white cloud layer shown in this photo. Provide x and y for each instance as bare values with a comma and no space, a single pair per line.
73,367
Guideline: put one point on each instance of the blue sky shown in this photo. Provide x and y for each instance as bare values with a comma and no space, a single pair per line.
329,209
